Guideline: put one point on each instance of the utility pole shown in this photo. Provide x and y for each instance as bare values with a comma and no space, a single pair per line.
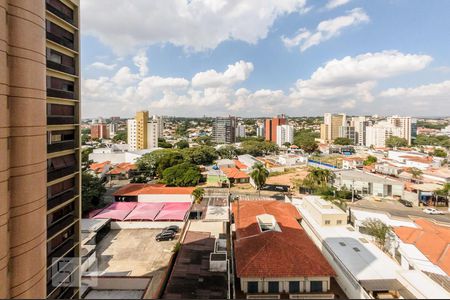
353,190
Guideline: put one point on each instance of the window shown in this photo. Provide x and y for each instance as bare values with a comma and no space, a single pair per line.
252,287
294,287
338,222
327,222
316,286
274,287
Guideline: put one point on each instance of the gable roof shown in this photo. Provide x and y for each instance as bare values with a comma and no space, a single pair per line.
285,253
240,165
431,239
234,173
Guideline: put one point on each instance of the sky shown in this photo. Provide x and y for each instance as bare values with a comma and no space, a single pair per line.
255,58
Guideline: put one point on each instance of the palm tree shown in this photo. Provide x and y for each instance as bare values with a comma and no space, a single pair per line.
444,192
318,177
416,173
259,175
198,194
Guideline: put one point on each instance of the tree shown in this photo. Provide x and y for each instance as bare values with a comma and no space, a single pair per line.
183,144
198,194
309,146
317,178
92,191
120,136
305,139
416,173
287,144
201,155
444,192
439,152
86,131
85,162
204,140
259,175
184,174
370,160
163,144
227,151
343,141
379,230
84,139
395,142
257,147
154,163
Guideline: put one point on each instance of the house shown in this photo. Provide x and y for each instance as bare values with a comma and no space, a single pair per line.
423,247
367,184
247,160
352,163
235,175
441,175
100,169
291,159
146,192
388,169
274,254
225,163
121,171
325,212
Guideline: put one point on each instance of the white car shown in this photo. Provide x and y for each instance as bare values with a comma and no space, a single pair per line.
432,211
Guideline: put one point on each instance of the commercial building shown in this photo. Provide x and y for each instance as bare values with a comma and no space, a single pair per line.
39,147
224,130
285,134
274,255
270,127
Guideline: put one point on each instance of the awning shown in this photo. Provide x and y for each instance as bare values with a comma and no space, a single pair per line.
380,285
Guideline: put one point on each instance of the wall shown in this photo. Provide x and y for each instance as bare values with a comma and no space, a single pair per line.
119,283
144,225
263,286
165,198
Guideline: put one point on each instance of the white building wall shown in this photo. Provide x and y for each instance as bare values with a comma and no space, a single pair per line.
131,134
152,134
285,134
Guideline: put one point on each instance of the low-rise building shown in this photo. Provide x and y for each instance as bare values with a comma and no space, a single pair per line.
367,184
324,212
146,192
352,163
235,175
388,169
274,255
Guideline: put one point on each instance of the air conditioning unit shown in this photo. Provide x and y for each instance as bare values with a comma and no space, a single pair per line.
218,262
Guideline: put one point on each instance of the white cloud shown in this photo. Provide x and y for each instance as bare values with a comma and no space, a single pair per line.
236,73
340,84
326,30
196,25
332,4
140,60
102,66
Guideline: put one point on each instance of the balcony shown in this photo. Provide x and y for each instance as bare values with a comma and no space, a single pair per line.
59,67
61,198
56,174
60,225
63,42
60,146
60,93
59,251
60,120
59,13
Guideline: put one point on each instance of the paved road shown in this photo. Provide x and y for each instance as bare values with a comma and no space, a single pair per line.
397,209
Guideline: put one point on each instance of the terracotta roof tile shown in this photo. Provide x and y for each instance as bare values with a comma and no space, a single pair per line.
289,253
234,173
240,165
135,189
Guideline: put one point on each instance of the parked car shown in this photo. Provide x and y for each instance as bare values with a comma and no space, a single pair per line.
165,236
406,203
433,211
173,228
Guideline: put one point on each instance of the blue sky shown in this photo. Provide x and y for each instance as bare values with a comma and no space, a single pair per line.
259,58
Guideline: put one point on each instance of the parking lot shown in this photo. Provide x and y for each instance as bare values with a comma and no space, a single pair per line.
395,208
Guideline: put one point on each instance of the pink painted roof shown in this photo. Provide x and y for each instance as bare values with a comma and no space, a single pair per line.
116,211
176,205
122,205
171,215
145,211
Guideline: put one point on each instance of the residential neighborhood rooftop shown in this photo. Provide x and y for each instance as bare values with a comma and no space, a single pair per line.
135,189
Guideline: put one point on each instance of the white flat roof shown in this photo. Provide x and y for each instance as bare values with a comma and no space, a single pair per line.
324,206
363,215
420,261
363,260
92,225
422,286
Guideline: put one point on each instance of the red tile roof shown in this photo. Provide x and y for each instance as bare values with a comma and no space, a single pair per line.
122,168
234,173
99,167
240,165
289,253
431,239
135,189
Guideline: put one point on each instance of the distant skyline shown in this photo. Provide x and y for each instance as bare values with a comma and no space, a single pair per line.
264,57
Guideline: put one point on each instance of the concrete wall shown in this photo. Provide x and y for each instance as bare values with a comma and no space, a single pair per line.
119,283
263,283
166,198
144,225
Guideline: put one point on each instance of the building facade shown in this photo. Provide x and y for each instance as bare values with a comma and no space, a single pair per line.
153,130
405,125
224,130
141,129
39,146
270,127
285,134
329,130
378,134
240,130
99,131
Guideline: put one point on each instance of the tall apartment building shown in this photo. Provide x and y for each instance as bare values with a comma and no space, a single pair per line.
99,131
405,124
329,130
143,133
270,127
378,134
240,130
224,130
260,130
39,146
348,132
285,134
360,124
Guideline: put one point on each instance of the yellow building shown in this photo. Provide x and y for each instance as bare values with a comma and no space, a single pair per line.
141,130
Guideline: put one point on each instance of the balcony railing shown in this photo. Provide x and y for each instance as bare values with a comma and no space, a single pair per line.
59,251
64,42
60,225
59,120
60,93
59,67
60,146
59,13
61,198
56,174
